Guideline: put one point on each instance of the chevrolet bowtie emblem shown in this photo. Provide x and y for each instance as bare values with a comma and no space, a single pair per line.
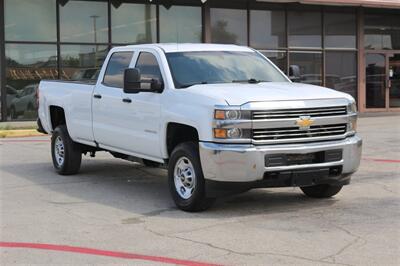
304,122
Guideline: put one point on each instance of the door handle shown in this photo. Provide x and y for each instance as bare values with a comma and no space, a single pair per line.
97,96
126,100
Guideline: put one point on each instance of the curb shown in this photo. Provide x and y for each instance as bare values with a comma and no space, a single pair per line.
19,133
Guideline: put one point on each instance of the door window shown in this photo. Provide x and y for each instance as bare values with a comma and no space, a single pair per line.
148,66
114,76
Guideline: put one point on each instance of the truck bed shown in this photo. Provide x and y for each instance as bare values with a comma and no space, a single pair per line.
75,97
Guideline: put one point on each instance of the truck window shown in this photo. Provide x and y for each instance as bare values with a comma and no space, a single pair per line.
114,76
148,66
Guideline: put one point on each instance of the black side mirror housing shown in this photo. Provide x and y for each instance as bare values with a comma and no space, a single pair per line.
132,80
133,83
294,73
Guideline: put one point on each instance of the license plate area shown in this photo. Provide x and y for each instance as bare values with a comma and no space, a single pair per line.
272,160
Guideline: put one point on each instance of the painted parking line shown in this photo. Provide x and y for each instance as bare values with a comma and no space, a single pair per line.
101,252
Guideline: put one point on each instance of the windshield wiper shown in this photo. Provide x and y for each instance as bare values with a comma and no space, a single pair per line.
183,86
251,81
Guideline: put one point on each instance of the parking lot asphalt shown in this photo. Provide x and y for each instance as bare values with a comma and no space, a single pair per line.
116,212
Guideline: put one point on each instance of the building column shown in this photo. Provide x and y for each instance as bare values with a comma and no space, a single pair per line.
361,61
2,65
206,23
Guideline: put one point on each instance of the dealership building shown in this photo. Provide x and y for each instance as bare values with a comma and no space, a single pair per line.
347,45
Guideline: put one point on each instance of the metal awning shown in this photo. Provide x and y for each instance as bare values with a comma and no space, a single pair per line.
363,3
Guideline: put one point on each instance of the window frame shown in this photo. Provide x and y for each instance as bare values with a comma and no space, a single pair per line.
157,60
108,65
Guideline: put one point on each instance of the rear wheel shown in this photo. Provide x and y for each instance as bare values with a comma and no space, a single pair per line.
185,178
321,191
66,154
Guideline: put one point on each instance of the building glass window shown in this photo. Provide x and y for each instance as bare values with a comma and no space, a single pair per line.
340,30
26,65
228,26
133,23
82,62
84,22
304,29
308,65
27,20
114,75
382,31
180,24
279,58
267,29
341,71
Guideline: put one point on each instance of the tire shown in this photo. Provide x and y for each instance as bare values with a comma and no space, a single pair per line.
66,154
321,191
152,164
191,196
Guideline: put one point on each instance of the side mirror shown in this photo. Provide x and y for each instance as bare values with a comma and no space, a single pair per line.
294,73
131,80
133,83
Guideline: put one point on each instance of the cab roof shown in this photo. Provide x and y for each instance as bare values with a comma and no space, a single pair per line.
193,47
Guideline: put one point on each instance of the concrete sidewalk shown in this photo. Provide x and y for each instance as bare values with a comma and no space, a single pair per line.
18,125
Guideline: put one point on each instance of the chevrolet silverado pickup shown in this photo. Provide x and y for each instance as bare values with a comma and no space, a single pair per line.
220,118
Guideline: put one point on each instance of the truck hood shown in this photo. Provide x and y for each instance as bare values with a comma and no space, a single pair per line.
239,93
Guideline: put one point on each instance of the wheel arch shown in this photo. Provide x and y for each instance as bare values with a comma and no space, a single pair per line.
57,116
177,133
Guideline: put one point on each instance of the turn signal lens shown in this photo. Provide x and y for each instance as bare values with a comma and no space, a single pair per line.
220,133
219,114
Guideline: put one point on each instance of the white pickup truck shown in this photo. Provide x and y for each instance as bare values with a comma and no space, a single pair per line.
221,118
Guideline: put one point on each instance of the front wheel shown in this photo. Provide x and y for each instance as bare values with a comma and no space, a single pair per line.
66,154
185,179
321,191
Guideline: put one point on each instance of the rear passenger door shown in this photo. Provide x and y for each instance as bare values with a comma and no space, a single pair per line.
107,105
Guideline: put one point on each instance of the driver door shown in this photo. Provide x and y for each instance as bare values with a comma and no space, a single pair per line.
141,115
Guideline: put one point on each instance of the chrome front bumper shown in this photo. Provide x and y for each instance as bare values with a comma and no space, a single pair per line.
246,162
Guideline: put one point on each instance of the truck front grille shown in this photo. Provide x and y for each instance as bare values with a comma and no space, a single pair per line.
296,133
295,113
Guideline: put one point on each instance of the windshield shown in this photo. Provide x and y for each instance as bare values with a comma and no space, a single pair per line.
210,67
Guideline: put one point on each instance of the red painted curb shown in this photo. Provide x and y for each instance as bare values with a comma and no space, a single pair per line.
100,252
382,160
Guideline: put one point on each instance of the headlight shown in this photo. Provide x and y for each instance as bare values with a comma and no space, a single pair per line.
232,124
352,108
231,114
353,125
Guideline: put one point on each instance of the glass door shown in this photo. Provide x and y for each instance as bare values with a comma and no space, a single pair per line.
394,81
382,81
375,81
